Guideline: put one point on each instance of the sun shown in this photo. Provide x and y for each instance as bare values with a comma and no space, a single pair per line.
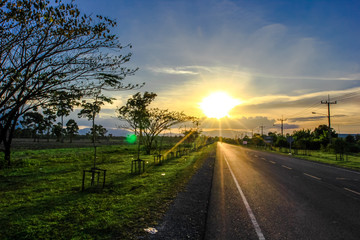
218,104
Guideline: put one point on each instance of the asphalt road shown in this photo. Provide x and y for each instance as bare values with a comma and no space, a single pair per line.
259,195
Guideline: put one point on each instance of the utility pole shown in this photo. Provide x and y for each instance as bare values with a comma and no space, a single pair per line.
262,129
328,102
282,124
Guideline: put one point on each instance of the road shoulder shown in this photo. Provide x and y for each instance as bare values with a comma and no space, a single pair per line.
186,217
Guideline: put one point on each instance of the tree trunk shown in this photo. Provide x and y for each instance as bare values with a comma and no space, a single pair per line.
6,139
62,128
7,153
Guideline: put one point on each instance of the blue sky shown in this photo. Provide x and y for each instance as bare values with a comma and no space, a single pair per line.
280,57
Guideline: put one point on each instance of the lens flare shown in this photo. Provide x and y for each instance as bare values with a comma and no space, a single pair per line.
131,138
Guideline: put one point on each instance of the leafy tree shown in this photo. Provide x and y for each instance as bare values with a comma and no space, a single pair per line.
63,102
33,121
352,145
57,131
91,108
47,48
72,129
257,140
274,136
321,134
350,139
302,139
148,122
340,147
160,120
49,118
136,115
98,131
281,142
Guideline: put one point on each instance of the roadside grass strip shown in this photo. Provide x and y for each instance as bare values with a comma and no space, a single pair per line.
41,195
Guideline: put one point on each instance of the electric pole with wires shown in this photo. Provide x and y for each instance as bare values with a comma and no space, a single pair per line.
328,102
282,124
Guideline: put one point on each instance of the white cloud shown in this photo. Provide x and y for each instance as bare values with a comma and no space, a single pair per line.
173,70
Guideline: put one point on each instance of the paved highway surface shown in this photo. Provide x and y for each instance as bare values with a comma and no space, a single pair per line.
259,195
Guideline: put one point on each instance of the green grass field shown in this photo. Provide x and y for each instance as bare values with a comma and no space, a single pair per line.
350,161
41,195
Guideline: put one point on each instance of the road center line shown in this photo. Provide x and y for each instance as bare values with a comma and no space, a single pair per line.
317,178
286,167
347,189
250,212
272,162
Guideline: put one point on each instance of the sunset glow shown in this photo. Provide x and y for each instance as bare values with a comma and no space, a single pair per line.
218,105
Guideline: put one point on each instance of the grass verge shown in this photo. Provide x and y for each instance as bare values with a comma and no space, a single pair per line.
40,197
350,161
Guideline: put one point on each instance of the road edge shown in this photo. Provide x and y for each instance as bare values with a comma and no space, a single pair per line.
187,215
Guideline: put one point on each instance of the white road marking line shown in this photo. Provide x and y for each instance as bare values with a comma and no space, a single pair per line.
250,212
341,178
272,162
317,178
347,189
263,158
286,167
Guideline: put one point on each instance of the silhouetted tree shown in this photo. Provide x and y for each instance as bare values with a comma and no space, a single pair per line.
98,131
340,147
49,118
136,115
160,120
63,102
148,122
72,129
33,121
47,48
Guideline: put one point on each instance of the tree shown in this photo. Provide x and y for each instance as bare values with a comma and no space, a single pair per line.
192,135
321,134
49,118
159,120
72,129
48,48
33,121
136,115
340,147
98,131
57,131
281,142
350,139
91,108
148,122
63,103
302,139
